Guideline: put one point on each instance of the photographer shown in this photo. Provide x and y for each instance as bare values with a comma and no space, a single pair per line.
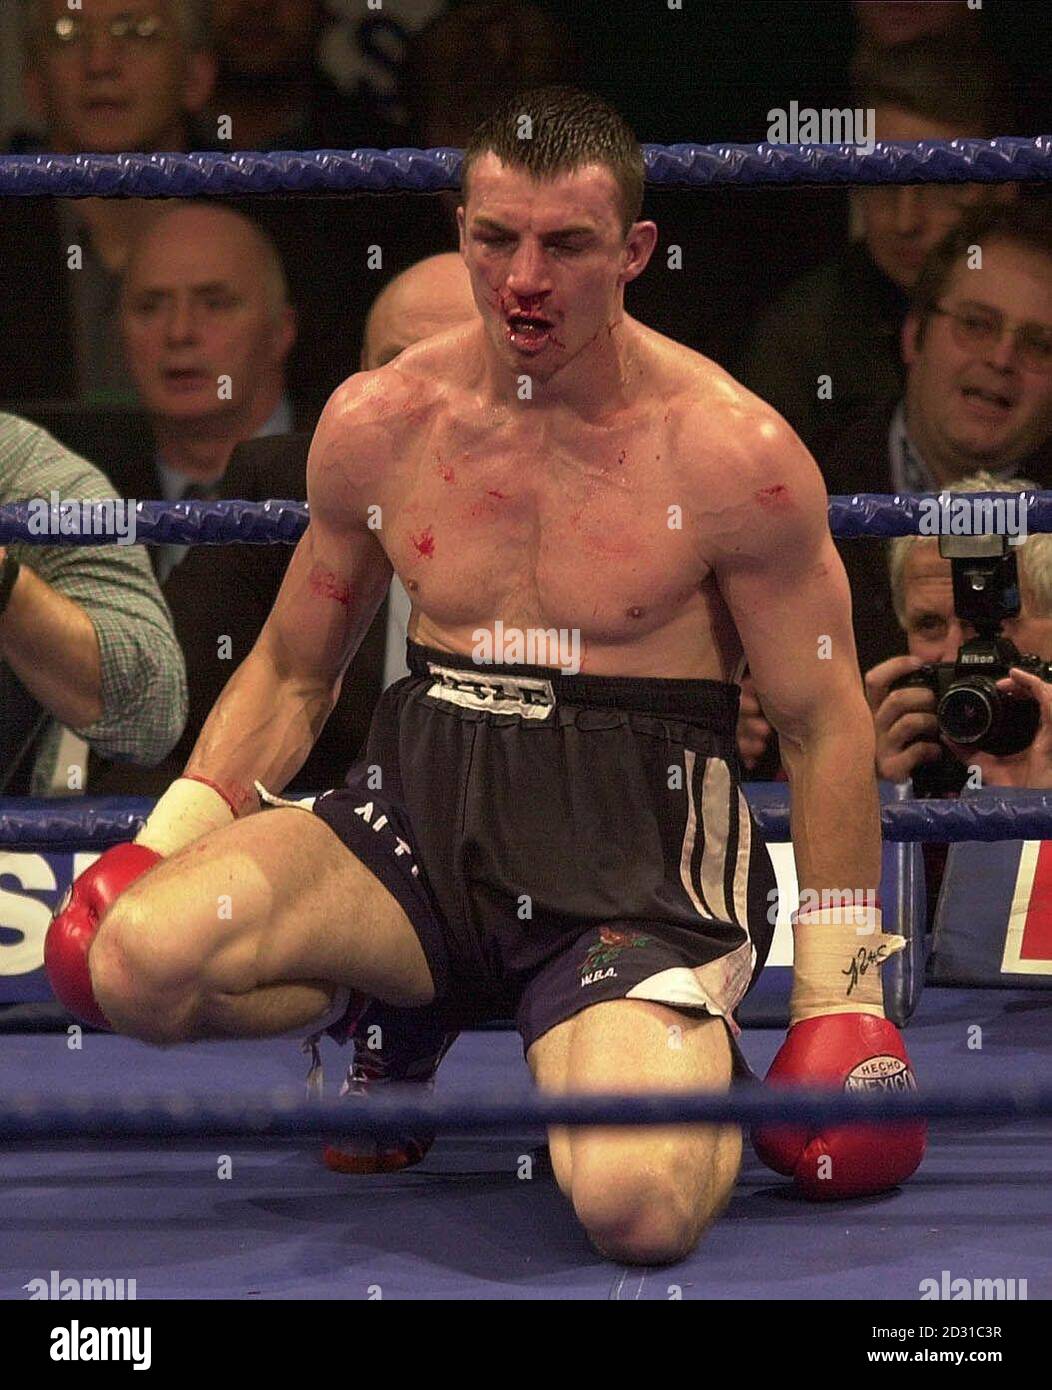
977,346
909,744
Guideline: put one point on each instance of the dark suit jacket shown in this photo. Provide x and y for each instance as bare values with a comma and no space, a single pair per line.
854,458
227,591
842,319
38,360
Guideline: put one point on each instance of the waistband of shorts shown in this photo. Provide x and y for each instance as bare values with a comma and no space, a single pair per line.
713,703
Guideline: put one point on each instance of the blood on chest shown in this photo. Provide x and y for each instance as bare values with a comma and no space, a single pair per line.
614,570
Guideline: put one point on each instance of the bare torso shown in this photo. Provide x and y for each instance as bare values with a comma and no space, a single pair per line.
542,518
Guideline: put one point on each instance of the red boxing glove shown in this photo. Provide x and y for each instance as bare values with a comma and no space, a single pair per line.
861,1053
74,925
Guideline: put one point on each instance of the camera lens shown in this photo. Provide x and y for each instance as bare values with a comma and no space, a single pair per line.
965,714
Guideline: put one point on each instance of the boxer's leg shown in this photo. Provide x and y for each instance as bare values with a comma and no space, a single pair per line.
644,1195
249,932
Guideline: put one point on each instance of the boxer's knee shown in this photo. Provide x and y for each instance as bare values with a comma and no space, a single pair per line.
639,1206
634,1214
143,972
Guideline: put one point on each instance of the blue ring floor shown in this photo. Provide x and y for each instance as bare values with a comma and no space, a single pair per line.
465,1225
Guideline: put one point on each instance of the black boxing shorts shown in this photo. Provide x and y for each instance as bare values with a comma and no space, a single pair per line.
561,840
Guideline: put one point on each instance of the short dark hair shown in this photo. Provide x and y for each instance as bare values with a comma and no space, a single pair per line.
567,129
941,78
1027,222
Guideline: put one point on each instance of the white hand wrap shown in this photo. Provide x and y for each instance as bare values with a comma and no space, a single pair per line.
187,810
837,955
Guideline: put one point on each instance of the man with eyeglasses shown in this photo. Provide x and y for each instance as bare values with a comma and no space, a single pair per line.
117,75
105,77
827,348
977,350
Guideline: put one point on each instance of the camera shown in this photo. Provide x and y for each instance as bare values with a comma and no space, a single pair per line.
969,707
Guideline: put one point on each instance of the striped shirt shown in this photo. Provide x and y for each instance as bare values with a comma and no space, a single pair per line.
143,675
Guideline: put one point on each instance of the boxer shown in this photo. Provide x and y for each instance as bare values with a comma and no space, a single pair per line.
596,527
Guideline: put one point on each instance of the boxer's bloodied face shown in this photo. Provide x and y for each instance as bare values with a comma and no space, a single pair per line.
548,261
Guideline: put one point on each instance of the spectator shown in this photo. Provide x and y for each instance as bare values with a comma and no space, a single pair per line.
891,23
841,321
907,732
207,328
85,638
426,299
338,253
429,297
977,345
112,75
272,88
908,744
71,254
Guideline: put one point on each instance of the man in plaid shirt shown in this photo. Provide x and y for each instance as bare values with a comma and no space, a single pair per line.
86,640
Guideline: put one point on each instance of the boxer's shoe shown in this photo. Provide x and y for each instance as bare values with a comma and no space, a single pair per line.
391,1046
368,1153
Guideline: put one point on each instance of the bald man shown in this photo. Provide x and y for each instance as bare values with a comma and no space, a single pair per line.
429,297
207,329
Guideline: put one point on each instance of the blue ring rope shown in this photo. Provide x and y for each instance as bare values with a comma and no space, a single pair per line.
40,825
40,521
283,1115
1006,159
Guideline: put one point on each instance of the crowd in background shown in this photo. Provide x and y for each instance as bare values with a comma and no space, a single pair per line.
859,316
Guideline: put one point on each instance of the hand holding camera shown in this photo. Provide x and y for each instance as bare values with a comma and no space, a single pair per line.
992,706
907,730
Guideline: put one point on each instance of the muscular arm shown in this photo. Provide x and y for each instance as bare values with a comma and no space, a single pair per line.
785,587
50,644
268,717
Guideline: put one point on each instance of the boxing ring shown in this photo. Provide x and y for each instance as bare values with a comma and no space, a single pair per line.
195,1170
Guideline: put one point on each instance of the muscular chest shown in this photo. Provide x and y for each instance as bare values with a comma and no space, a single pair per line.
519,525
